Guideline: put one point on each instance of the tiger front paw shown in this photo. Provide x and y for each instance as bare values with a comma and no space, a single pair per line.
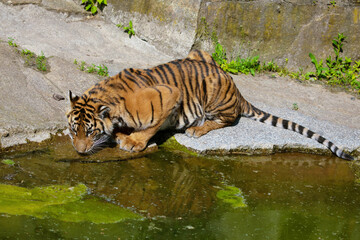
131,145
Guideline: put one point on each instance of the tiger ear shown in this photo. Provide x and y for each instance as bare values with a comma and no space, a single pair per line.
103,112
72,99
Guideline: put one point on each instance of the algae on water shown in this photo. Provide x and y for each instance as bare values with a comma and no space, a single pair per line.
8,162
233,196
91,210
63,202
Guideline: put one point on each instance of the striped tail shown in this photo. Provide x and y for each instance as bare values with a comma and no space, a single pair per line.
264,117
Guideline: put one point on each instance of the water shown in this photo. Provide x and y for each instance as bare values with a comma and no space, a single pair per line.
288,196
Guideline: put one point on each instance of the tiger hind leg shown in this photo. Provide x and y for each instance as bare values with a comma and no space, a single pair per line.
198,131
220,101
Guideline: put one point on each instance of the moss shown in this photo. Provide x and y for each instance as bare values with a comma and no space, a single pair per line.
172,144
59,194
356,16
155,9
233,196
14,192
62,202
202,31
90,210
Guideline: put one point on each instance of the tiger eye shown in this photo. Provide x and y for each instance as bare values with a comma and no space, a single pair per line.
89,132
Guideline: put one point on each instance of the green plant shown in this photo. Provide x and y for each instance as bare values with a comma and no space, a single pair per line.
283,71
94,5
220,55
295,107
246,66
270,67
342,71
338,71
30,58
11,42
297,75
41,62
102,70
333,3
26,52
318,66
91,69
129,29
82,66
27,55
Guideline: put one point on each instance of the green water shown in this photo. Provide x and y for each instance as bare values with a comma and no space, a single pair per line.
181,196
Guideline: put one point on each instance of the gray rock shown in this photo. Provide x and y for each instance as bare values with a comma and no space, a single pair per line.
20,2
170,25
70,6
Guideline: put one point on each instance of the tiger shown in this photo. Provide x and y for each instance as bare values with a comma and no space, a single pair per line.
193,95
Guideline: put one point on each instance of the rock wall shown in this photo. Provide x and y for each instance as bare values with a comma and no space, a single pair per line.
170,25
275,30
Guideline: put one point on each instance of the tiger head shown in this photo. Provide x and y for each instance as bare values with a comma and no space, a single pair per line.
89,124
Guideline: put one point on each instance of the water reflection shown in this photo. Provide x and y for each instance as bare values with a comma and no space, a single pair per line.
289,196
155,183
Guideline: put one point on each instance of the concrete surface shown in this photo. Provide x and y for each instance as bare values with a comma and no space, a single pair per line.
28,110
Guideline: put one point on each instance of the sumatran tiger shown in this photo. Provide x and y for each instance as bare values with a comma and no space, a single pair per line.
193,94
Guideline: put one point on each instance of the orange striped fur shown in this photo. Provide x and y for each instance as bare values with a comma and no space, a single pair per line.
193,94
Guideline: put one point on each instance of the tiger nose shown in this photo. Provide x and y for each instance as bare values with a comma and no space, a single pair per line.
81,147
